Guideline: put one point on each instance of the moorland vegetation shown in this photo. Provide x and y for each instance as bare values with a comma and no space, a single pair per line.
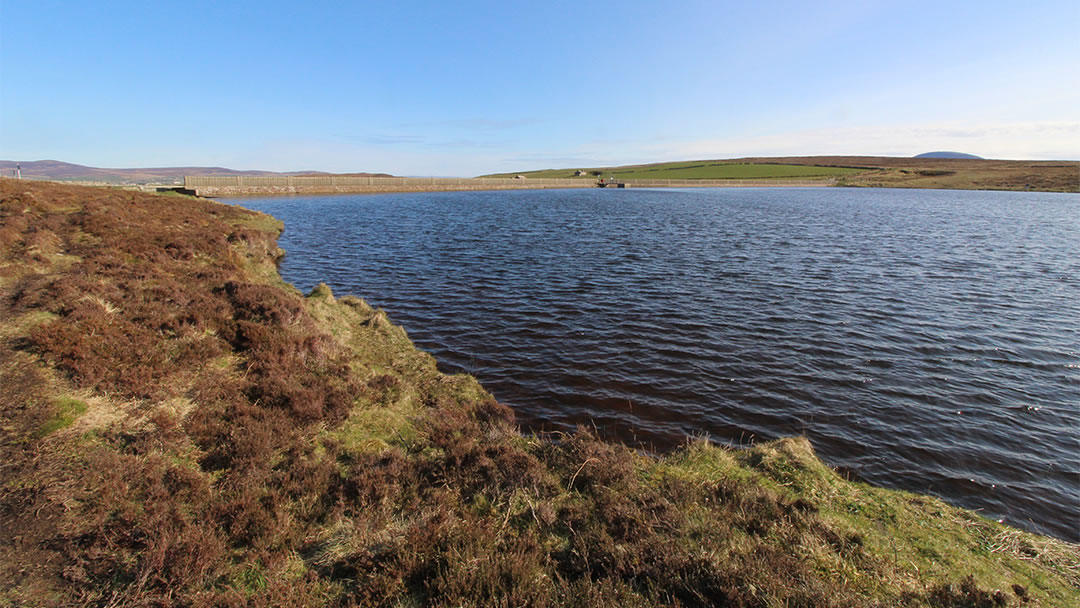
853,171
182,428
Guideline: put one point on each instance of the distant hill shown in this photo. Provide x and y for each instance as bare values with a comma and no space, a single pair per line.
966,173
944,154
61,171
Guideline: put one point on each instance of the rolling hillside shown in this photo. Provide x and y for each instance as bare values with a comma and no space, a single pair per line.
60,171
702,169
856,171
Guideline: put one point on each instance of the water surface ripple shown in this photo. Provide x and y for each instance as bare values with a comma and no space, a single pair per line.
924,340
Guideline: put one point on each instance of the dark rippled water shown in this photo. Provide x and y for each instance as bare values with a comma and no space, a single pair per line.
924,340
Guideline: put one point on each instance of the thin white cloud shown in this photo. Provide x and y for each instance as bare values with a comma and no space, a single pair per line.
417,142
1049,140
385,140
478,124
1044,140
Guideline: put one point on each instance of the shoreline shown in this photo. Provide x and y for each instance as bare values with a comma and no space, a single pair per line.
183,426
215,187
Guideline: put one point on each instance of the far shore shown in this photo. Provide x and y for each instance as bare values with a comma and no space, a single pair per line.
241,186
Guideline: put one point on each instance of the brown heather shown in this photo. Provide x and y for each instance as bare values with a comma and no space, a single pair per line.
181,428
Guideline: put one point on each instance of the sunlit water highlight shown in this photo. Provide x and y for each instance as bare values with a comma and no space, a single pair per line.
924,340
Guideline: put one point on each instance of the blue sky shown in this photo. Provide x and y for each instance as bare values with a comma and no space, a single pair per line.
465,88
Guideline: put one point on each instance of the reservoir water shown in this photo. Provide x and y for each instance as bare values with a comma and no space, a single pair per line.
923,340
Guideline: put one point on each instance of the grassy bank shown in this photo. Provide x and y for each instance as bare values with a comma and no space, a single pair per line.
181,427
857,171
694,170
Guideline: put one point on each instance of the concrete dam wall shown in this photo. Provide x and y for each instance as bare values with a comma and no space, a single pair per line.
239,185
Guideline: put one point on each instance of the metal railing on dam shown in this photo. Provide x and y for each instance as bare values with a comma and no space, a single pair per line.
286,181
239,185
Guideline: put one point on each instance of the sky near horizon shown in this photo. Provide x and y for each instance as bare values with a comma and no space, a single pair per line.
470,87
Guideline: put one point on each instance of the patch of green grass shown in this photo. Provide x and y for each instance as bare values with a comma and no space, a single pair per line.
250,577
67,410
729,171
909,535
369,430
261,222
22,324
175,194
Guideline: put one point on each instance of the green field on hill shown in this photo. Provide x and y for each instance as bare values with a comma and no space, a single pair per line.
696,170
